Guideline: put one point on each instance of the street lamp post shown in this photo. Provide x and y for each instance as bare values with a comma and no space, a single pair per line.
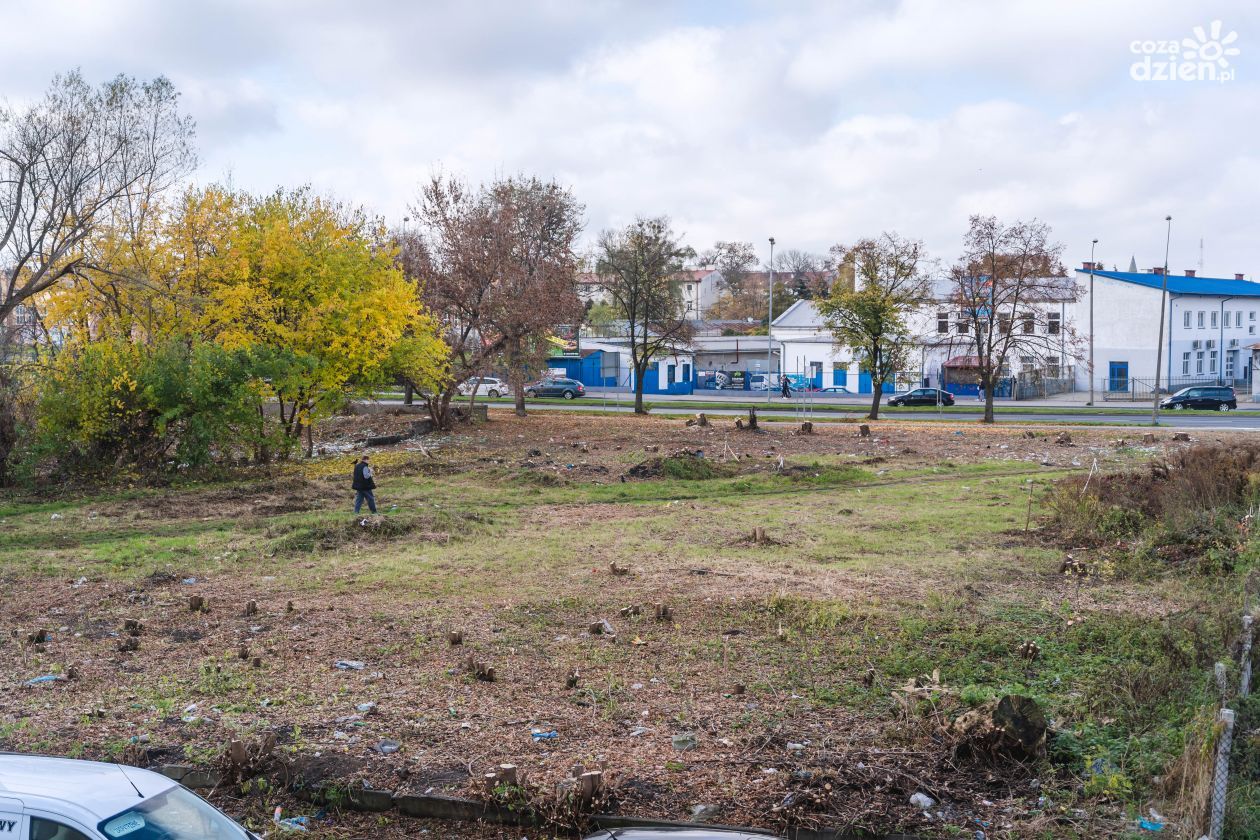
769,343
1159,348
1091,321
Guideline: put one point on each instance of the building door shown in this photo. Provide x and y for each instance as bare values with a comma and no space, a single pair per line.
686,373
1117,376
815,374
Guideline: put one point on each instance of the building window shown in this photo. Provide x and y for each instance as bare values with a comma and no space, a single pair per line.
1004,324
1226,322
1213,319
1251,329
942,322
1185,364
1029,324
1251,316
1229,365
964,326
1238,318
1200,320
1052,367
1053,324
1187,319
1198,361
24,315
1212,362
690,288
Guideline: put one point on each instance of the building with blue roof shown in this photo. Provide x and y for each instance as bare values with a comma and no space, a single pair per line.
1210,325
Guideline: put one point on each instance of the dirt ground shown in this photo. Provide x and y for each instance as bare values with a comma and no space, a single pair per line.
683,714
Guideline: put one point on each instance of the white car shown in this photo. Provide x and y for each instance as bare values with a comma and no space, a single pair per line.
487,386
43,798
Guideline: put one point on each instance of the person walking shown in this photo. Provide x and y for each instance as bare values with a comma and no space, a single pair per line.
364,485
786,391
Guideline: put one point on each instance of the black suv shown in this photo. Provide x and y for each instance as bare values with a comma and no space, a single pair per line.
1203,398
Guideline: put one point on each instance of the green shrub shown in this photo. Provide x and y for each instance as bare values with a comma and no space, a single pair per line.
113,403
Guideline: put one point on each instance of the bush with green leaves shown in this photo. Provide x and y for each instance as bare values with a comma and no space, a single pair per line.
169,405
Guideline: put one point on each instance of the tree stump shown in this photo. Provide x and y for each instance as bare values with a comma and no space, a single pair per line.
1148,439
864,430
571,681
663,613
589,786
752,418
251,608
807,428
618,570
455,638
196,603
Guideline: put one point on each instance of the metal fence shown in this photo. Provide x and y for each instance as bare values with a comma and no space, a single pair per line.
1135,389
1039,384
1225,732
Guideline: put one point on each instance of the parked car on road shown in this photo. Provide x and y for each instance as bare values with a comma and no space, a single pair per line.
836,391
487,386
922,396
556,387
44,798
1202,398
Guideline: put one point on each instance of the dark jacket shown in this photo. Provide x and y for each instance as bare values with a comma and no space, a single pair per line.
361,481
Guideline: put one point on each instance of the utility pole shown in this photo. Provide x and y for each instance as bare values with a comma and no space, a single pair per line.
1091,322
1159,348
769,322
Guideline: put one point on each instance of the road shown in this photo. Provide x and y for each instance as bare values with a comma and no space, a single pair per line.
1202,421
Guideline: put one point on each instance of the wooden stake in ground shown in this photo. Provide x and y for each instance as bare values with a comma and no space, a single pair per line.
1028,516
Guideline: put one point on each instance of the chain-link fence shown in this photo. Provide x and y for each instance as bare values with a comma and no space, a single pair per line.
1225,740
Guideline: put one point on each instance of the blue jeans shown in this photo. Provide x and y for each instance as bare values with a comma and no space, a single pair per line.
369,495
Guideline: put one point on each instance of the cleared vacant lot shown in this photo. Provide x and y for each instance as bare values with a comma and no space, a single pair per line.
803,679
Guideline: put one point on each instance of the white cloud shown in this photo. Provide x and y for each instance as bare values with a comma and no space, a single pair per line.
814,123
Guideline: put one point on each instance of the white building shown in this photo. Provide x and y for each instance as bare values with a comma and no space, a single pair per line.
699,289
1210,324
807,349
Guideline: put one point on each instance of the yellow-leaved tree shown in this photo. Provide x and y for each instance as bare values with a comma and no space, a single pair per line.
310,286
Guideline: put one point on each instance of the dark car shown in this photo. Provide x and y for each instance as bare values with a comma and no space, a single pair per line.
556,387
1203,398
922,396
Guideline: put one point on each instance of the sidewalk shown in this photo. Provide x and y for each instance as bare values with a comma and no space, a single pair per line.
1076,400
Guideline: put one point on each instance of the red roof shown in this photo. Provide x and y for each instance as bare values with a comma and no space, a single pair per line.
963,362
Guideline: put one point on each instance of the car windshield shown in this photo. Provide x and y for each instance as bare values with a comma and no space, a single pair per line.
175,814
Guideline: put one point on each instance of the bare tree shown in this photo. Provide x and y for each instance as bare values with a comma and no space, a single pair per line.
79,159
735,261
1006,286
496,266
804,273
638,266
873,319
539,224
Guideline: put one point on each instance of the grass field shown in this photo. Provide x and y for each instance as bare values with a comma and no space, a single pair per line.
915,556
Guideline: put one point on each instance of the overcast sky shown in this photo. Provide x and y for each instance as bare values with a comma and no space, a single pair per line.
812,122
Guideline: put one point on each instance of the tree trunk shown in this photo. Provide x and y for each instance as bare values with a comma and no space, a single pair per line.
310,437
877,393
638,389
519,390
409,394
988,400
